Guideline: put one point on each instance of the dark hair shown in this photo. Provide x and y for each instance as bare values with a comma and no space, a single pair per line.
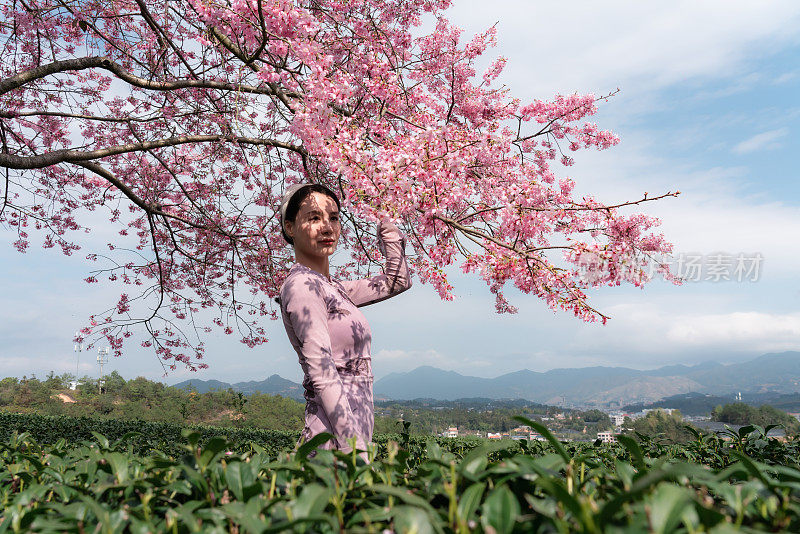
294,204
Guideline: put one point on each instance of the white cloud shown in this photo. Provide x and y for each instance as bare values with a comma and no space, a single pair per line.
786,77
730,226
719,208
647,330
764,140
652,330
767,331
42,365
582,45
567,46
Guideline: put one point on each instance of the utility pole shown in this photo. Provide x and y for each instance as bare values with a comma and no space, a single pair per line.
77,349
102,359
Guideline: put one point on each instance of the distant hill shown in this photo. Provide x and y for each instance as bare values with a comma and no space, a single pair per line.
203,386
601,386
777,375
702,404
589,386
274,385
432,383
470,403
770,372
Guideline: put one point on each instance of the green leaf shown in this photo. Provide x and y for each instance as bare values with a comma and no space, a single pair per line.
411,520
210,450
32,494
119,466
52,524
752,468
748,429
185,512
124,439
283,527
635,451
211,516
532,468
312,501
475,460
216,444
241,481
192,436
500,511
182,486
651,479
554,488
541,429
369,515
434,450
469,501
305,449
140,527
625,472
727,528
248,515
693,431
667,504
102,441
403,494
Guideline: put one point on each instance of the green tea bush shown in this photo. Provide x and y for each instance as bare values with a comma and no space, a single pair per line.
100,485
166,437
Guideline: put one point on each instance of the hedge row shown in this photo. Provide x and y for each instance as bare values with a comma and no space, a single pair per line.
100,487
166,437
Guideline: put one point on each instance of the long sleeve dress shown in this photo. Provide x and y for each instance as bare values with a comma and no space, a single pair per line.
333,341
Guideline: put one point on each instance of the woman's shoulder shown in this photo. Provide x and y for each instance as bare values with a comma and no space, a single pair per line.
302,282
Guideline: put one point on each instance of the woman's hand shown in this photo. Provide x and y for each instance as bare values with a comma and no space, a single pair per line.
387,233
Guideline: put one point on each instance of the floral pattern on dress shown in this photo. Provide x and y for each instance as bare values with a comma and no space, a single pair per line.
332,339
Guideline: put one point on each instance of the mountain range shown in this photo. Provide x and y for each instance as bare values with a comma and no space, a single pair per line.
703,403
605,387
274,385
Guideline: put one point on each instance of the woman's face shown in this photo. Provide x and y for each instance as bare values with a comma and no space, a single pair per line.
316,228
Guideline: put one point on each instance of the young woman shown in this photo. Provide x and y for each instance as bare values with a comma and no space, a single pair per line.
330,334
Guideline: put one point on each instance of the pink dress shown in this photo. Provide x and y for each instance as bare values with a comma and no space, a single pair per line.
333,341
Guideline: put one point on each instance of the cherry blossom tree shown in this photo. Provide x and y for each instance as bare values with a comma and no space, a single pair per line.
182,121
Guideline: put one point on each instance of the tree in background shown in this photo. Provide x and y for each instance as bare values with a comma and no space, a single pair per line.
182,122
149,401
661,424
114,383
739,413
601,419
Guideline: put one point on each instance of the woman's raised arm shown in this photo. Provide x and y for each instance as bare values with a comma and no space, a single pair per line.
395,278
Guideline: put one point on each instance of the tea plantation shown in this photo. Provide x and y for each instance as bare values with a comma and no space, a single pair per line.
83,475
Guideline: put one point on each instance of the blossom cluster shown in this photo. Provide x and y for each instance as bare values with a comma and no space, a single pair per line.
183,122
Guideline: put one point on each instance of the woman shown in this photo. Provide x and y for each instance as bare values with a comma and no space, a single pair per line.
330,334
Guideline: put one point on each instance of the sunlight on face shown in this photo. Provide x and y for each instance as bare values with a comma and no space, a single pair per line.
316,228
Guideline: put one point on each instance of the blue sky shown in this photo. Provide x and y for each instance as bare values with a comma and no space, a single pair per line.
707,105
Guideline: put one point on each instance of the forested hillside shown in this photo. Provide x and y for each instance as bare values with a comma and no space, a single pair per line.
146,400
149,401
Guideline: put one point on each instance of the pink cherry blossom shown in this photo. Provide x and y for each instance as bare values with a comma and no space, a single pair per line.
182,122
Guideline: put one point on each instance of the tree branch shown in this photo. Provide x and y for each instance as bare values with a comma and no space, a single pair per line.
574,207
55,157
84,63
65,115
